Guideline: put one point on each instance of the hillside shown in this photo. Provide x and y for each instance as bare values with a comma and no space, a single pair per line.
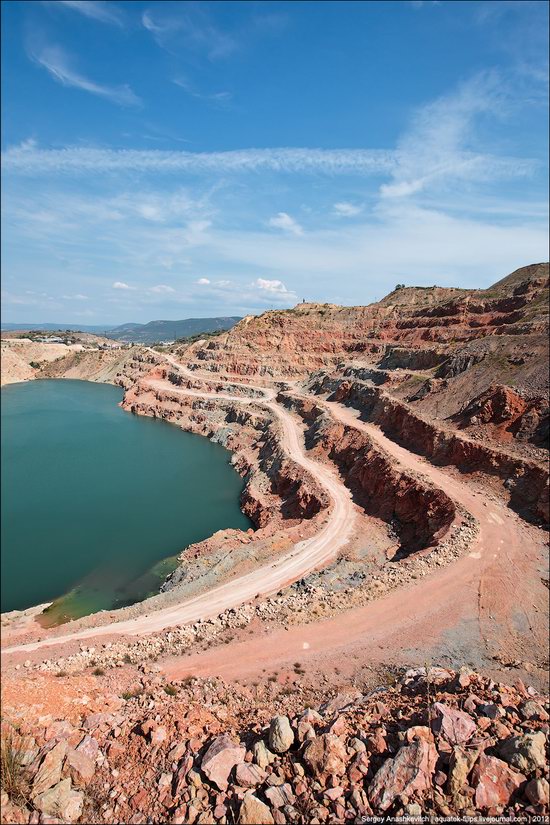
156,331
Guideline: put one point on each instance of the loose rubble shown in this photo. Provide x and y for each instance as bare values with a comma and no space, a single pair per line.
440,743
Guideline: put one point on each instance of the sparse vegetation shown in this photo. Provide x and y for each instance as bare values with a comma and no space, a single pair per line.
14,778
171,690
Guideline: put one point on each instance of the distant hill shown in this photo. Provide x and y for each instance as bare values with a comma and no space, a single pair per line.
56,327
156,331
150,333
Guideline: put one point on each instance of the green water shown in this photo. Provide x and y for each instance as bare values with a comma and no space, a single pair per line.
97,502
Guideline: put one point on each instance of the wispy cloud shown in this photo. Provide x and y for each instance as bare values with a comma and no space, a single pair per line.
58,64
29,159
95,9
287,223
216,98
191,26
121,285
437,149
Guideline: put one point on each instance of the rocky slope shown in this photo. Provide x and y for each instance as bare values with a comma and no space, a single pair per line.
437,743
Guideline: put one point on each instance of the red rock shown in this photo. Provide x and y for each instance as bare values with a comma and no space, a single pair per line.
377,742
455,725
254,812
359,767
334,793
249,775
280,795
419,732
220,759
537,792
410,772
494,781
326,755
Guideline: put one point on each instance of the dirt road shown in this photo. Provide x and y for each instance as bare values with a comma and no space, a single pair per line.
305,556
482,605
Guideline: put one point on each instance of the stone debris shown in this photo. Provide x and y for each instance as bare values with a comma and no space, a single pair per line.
207,754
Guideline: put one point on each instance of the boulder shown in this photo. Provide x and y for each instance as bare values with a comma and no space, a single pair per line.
249,775
533,710
82,767
60,801
452,724
409,772
220,759
326,755
281,735
495,782
461,763
262,755
524,752
49,772
280,795
537,792
254,812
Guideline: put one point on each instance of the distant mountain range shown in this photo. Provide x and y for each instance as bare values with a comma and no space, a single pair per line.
150,333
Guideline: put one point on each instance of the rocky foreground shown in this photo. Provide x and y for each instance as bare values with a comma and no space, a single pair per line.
451,744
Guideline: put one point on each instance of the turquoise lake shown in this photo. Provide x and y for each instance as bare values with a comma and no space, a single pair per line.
97,502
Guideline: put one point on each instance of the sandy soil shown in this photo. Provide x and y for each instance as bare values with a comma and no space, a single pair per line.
17,354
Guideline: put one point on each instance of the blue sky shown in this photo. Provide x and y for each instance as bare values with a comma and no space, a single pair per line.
180,159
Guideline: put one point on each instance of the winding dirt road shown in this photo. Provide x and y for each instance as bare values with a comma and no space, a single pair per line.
304,557
483,603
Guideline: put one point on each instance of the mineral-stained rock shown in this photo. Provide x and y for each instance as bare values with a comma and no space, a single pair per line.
61,801
454,725
494,781
262,755
82,767
254,812
326,755
220,758
249,775
537,792
460,764
526,752
411,771
533,710
281,735
280,795
49,772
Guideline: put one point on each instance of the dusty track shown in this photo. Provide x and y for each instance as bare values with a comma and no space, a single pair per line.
484,603
488,603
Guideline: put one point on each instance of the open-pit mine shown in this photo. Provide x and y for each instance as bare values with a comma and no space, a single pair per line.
394,459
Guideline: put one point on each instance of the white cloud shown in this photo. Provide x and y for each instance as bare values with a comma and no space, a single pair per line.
285,222
190,29
270,286
347,210
162,289
121,285
103,12
77,297
27,158
203,281
58,65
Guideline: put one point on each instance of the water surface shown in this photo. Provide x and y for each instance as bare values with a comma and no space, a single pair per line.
97,502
